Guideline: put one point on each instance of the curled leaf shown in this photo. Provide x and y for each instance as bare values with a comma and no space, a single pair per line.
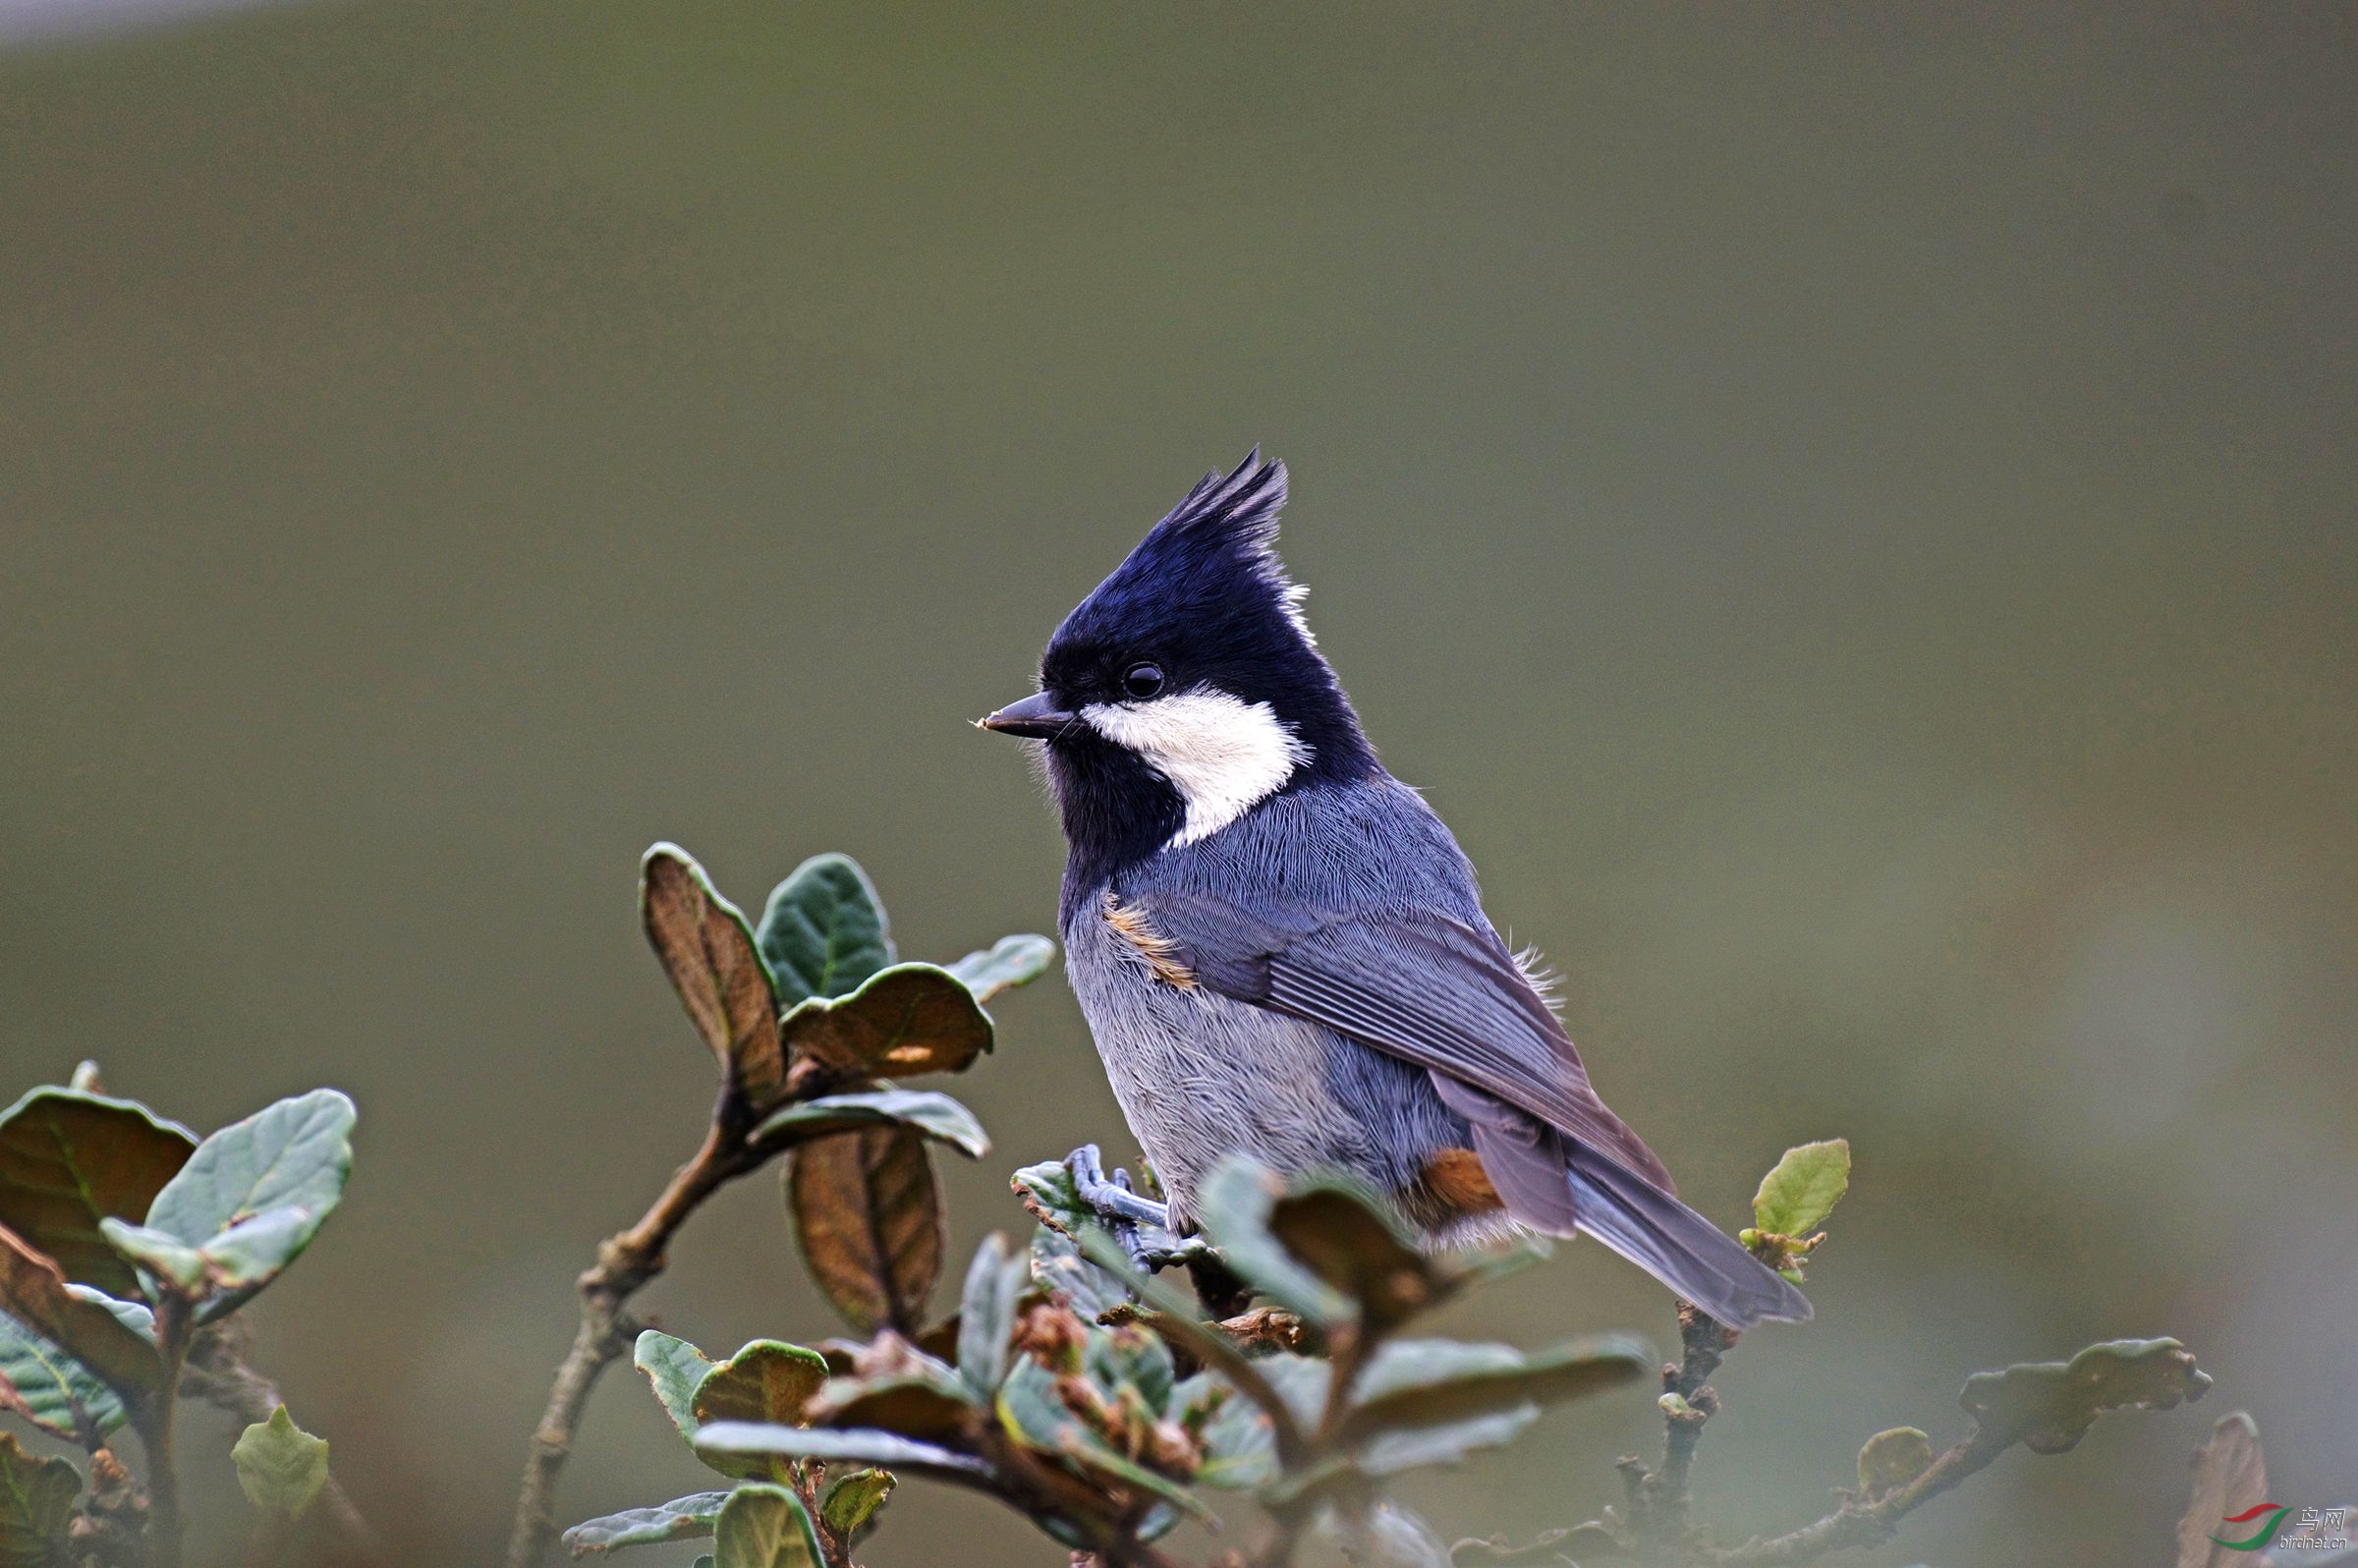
902,1021
2231,1478
1009,961
164,1261
36,1295
676,1370
1048,1192
766,1380
70,1159
1889,1460
935,1115
763,1525
1427,1401
2049,1406
708,951
905,1391
681,1519
860,1447
853,1502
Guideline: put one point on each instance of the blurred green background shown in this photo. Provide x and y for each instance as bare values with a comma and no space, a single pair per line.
1848,513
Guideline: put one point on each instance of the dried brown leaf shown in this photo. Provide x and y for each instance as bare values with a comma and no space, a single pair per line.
708,950
2229,1475
33,1291
871,1223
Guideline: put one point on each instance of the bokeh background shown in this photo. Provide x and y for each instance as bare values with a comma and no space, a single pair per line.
1848,511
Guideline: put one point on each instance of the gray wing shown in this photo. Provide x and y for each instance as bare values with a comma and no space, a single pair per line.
1448,997
1423,987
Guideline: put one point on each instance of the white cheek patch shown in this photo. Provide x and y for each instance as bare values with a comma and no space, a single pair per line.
1222,755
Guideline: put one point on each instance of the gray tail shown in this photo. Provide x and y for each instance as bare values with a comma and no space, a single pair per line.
1675,1245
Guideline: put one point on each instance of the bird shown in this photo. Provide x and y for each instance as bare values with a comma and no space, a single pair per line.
1281,951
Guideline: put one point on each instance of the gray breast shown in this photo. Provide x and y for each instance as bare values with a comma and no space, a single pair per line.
1200,1077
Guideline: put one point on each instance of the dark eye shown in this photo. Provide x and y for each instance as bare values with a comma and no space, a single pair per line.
1143,680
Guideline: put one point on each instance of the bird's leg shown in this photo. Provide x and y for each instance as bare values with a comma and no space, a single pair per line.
1142,1226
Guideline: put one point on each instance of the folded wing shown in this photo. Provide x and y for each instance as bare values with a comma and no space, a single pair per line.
1450,998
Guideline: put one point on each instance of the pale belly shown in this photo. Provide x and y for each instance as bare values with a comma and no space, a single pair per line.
1200,1078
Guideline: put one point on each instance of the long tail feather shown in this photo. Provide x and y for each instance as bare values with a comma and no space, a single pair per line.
1677,1245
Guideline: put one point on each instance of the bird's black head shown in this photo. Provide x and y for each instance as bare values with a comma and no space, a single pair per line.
1186,689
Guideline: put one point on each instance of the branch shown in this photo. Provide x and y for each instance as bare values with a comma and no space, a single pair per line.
151,1418
1662,1504
624,1263
2045,1407
1861,1523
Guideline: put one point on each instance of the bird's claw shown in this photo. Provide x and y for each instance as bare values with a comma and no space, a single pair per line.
1142,1226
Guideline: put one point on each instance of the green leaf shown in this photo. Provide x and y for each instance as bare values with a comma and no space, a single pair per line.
1238,1201
1072,1280
280,1466
681,1519
767,1381
1796,1197
1240,1448
676,1369
37,1503
709,952
736,1438
136,1316
164,1261
251,1254
280,1171
1032,1413
1172,1316
1423,1402
1047,1190
37,1295
1010,962
852,1502
937,1116
2049,1406
763,1525
51,1389
1345,1234
930,1406
824,930
1889,1460
69,1159
1130,1358
902,1021
1028,1407
994,1282
869,1220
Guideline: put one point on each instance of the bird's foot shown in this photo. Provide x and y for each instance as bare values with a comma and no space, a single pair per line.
1142,1226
